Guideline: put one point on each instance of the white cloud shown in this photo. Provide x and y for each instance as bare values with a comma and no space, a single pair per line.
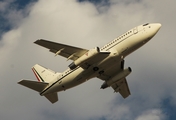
85,25
154,114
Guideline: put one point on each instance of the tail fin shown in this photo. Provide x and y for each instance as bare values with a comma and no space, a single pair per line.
44,74
37,86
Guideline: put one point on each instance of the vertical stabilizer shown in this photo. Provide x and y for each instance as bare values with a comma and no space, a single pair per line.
43,74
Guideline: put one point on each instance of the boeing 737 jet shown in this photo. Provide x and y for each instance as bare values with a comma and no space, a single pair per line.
105,63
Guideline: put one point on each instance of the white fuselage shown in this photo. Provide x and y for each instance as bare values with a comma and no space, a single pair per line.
119,48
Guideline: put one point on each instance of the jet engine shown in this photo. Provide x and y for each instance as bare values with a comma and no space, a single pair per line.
116,78
84,58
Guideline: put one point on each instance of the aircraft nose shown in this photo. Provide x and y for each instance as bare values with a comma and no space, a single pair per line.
157,26
153,29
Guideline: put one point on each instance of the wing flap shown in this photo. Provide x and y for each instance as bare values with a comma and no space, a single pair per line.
66,51
122,87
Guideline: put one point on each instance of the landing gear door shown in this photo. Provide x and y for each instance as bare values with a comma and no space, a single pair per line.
135,30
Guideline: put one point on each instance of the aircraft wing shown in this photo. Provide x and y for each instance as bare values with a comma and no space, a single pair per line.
115,69
120,86
66,51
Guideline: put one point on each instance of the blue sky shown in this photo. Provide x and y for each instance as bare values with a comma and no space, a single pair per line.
87,23
169,108
18,5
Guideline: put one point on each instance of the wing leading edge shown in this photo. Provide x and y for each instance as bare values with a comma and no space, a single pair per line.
66,51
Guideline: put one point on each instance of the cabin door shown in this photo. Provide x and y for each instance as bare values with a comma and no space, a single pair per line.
135,30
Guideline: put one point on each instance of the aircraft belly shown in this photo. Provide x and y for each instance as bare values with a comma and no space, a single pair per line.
77,77
82,75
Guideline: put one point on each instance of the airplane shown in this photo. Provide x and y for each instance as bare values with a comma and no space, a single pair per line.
105,63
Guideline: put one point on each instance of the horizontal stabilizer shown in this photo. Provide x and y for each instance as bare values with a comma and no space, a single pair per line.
52,97
37,86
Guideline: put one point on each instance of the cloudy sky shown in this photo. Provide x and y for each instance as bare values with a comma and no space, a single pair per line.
87,24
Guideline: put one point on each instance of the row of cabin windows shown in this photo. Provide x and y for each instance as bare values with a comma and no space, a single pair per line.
117,39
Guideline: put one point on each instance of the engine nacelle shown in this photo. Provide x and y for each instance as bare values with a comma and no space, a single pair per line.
117,77
87,56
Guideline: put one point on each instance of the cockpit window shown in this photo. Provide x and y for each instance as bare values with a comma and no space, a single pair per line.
146,24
